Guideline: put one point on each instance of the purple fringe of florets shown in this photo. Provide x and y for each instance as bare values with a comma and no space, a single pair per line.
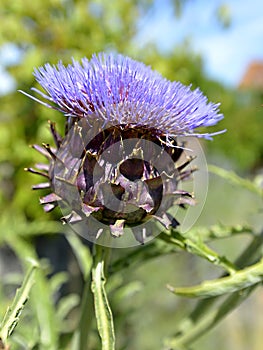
119,90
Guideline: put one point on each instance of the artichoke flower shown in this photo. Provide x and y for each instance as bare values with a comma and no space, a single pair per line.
117,166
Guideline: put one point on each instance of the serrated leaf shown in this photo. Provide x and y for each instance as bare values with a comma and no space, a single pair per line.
240,280
198,248
13,313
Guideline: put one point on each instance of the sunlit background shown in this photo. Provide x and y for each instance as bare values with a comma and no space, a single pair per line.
227,34
216,45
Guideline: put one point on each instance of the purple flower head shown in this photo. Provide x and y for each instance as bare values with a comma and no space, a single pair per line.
119,165
119,90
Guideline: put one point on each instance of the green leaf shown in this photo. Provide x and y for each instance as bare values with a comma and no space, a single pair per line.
198,248
142,254
232,177
159,247
82,332
65,305
206,314
44,310
13,313
190,330
57,280
82,253
240,280
216,232
15,224
102,308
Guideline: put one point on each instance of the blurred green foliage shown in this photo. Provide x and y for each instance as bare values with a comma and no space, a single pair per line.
53,30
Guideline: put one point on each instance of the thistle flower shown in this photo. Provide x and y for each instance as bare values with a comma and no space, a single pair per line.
118,164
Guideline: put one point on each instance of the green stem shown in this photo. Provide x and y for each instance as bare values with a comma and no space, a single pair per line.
85,321
84,258
102,308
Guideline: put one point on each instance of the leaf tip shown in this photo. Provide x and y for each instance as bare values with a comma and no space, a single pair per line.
170,288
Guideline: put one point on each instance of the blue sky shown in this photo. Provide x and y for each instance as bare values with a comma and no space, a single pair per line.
227,52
